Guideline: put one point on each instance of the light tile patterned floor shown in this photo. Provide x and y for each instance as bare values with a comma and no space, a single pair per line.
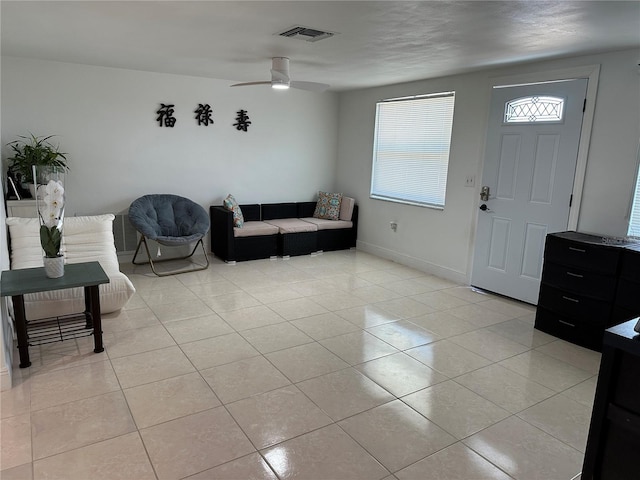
331,367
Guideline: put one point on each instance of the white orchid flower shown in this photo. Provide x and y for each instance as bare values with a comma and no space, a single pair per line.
54,188
53,202
54,195
50,216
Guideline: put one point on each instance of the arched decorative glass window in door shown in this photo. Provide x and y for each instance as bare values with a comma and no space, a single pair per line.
534,109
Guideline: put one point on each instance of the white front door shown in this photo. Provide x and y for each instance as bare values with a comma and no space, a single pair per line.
529,168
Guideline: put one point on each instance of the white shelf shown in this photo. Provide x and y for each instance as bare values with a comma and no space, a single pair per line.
22,208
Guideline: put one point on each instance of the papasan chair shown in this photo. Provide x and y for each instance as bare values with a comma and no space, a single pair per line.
172,221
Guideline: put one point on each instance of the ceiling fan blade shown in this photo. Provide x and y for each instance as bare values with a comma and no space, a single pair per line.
250,83
311,86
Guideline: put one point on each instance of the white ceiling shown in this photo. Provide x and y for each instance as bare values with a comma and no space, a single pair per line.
378,42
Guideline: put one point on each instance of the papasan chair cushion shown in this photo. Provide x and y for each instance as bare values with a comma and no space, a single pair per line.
170,220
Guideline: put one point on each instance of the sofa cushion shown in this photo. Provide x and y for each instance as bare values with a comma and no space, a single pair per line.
251,212
274,211
84,239
254,229
328,206
324,224
231,204
293,225
346,208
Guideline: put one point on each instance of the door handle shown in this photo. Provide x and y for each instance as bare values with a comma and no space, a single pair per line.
484,208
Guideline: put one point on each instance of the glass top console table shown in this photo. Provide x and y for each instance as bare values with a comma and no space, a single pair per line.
17,283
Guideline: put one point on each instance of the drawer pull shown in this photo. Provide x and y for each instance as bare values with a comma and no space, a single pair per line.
567,323
580,250
576,275
574,300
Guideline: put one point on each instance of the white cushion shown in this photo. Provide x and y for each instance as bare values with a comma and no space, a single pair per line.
292,225
84,239
255,229
346,208
325,224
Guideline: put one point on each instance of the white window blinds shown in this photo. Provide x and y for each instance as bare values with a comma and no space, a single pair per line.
634,220
411,149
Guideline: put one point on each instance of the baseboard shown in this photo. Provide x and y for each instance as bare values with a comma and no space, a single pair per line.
417,263
125,257
5,379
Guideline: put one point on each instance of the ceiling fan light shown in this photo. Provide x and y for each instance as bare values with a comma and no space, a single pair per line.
280,85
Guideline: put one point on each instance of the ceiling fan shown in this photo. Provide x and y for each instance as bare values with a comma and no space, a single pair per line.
280,79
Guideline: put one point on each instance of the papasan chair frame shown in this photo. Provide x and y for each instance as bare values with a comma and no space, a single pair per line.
172,221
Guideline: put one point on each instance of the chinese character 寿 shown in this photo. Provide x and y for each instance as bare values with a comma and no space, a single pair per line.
243,121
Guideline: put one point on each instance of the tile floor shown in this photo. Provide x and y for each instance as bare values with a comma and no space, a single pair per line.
335,366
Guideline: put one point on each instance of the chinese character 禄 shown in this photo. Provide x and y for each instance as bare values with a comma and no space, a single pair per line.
203,114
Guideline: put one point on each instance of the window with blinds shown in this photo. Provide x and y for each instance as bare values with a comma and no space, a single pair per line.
411,149
634,220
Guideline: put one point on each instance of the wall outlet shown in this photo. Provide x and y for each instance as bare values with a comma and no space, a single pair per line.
470,181
393,226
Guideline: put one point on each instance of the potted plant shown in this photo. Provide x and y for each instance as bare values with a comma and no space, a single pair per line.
34,151
50,204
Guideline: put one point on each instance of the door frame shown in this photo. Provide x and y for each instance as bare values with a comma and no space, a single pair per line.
592,74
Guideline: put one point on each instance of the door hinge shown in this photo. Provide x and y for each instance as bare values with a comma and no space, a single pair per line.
571,200
584,105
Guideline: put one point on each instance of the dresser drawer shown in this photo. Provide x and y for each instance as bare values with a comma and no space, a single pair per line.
620,447
579,307
627,387
579,281
588,256
569,329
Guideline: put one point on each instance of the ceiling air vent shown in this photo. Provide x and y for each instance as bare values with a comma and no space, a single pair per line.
305,33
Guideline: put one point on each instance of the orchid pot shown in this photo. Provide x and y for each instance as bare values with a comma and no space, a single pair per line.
50,202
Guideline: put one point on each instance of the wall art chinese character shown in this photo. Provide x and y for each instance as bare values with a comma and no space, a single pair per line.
165,114
243,121
203,114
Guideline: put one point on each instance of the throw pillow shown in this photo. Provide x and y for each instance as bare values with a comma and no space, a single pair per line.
346,208
231,204
328,206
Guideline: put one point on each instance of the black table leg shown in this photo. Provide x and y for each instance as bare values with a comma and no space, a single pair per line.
87,309
92,297
21,330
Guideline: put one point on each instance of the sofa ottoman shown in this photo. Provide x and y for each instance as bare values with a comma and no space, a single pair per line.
297,237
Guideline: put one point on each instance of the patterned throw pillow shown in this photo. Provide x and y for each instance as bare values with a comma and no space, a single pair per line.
231,204
328,206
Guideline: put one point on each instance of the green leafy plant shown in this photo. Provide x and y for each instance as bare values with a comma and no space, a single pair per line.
50,238
38,151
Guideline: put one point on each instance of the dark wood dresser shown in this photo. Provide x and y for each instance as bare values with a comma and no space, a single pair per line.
613,443
628,291
589,283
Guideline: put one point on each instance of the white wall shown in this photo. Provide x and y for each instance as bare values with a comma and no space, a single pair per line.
105,119
6,338
442,241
